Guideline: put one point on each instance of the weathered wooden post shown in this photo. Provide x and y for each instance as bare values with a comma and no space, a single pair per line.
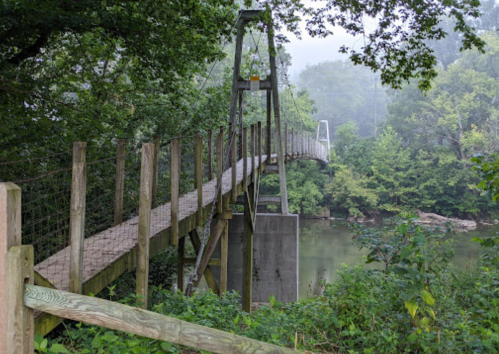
245,158
224,254
210,155
198,175
77,216
269,125
220,169
16,269
120,181
260,163
233,162
253,153
175,188
155,173
292,143
181,261
145,202
240,127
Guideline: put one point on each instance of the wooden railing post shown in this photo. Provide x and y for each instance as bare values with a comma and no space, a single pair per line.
260,142
253,153
245,158
145,202
77,216
16,268
233,162
269,125
198,175
175,188
155,173
120,181
210,155
224,254
220,169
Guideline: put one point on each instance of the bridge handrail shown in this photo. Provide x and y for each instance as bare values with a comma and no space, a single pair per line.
20,297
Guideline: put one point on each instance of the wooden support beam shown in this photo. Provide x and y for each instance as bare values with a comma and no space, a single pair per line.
245,158
240,127
198,176
236,72
253,153
208,274
244,85
262,200
260,144
115,316
211,262
277,119
224,254
233,163
155,173
181,261
247,288
16,322
176,153
144,227
119,188
20,319
210,155
210,247
77,216
220,169
269,125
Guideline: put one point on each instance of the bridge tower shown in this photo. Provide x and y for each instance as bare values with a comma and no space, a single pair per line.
323,134
270,84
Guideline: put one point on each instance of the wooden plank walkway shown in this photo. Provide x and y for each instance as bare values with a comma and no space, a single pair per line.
108,246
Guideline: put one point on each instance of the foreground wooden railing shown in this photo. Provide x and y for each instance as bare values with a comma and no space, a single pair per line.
19,298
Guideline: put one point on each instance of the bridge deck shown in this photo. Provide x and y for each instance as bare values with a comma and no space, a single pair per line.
108,246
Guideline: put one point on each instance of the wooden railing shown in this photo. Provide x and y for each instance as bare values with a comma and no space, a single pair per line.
19,298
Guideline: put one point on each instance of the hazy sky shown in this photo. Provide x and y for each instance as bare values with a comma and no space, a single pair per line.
310,51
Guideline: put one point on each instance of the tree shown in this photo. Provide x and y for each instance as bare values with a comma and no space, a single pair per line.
390,164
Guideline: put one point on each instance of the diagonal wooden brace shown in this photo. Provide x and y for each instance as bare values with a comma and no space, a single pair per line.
208,274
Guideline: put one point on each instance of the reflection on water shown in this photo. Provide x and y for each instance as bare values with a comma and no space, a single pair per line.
325,245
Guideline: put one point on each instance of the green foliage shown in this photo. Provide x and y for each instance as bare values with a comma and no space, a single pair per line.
350,192
488,169
305,183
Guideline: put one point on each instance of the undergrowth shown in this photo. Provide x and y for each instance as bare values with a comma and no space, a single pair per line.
417,304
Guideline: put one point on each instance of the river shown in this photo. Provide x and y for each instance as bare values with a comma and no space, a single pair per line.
325,245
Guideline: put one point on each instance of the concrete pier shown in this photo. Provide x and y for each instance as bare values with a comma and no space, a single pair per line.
275,257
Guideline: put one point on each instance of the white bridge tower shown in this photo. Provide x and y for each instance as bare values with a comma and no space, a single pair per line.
323,134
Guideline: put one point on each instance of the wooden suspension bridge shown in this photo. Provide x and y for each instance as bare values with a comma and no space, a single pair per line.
91,263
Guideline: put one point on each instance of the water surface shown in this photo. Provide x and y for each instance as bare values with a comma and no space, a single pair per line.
325,245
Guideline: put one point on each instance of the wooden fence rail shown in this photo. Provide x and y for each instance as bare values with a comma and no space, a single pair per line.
148,324
19,297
